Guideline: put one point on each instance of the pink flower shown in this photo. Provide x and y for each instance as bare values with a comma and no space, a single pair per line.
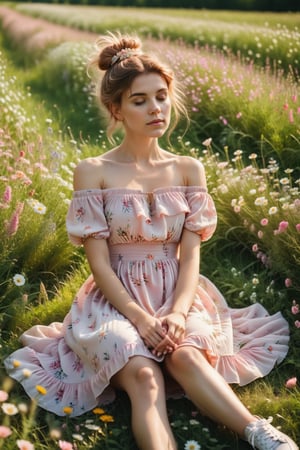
298,227
4,432
283,226
291,383
7,195
295,307
24,445
288,282
291,116
13,224
3,396
254,248
297,323
264,222
64,445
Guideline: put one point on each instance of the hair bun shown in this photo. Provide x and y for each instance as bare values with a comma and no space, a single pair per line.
112,44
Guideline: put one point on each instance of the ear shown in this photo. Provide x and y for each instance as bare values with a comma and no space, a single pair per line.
115,112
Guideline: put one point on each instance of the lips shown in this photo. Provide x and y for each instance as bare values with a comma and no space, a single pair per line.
156,122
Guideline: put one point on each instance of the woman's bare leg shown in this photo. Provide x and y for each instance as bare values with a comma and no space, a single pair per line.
207,389
143,381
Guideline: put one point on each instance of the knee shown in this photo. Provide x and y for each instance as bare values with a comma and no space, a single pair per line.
186,358
145,378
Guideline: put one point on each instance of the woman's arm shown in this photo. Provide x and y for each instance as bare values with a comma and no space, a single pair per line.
189,262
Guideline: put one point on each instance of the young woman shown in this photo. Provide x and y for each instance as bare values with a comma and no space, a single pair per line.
145,316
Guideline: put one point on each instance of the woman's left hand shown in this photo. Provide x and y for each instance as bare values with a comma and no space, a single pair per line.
174,323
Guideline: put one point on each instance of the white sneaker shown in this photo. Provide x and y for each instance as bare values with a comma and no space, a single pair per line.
263,436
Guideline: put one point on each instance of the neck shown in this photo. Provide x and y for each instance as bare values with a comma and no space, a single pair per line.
139,150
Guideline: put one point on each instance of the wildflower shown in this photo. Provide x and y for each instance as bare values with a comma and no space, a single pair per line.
77,437
297,323
252,156
284,181
19,280
24,445
7,195
3,396
39,208
98,411
92,427
291,383
4,432
252,191
41,390
9,409
255,281
254,248
207,142
298,227
260,234
282,227
192,445
238,153
55,434
23,408
12,225
68,410
295,308
264,222
107,418
194,422
261,201
64,445
273,210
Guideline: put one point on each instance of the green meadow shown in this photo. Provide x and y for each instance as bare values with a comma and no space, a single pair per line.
240,73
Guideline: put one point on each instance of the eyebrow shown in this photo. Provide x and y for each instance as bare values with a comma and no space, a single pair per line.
143,94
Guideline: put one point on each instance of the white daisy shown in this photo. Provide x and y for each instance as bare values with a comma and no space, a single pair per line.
192,445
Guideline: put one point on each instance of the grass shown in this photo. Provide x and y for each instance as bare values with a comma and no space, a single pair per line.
273,39
38,126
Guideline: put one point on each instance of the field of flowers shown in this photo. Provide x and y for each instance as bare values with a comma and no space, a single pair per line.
245,113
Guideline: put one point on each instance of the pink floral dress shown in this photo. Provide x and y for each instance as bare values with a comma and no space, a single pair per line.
76,359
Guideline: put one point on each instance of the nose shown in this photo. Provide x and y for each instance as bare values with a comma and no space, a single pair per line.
154,107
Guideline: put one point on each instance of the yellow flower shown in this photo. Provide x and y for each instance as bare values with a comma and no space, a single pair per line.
98,411
107,418
68,410
16,363
41,390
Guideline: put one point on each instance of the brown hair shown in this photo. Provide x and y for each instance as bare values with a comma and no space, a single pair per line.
120,73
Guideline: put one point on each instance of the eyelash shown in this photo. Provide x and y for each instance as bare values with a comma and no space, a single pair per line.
160,99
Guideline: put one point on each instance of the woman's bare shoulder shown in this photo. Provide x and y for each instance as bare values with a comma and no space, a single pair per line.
88,173
192,171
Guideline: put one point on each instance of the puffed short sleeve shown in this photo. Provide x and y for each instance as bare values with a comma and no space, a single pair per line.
85,217
202,217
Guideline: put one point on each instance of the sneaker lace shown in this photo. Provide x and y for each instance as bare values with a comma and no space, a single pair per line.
263,435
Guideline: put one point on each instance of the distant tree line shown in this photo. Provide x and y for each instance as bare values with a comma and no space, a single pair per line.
243,5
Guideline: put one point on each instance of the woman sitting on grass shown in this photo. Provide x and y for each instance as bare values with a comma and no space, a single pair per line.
145,321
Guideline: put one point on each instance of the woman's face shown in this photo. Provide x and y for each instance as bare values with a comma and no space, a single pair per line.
145,108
